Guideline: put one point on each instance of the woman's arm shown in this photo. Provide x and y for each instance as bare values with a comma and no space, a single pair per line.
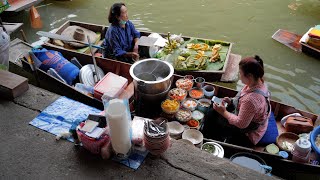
247,111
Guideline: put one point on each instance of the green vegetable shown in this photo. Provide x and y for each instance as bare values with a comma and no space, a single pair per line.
209,148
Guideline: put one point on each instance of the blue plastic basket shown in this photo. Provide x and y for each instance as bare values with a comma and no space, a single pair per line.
313,137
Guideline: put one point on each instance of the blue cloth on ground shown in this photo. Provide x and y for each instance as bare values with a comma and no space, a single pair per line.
61,115
55,60
65,113
271,133
134,160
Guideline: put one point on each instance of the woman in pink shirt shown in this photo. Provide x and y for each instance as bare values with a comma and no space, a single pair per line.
247,124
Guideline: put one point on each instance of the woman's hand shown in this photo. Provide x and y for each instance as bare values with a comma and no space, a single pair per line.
226,100
220,108
135,56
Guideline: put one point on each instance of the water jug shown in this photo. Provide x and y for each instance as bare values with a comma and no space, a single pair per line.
116,112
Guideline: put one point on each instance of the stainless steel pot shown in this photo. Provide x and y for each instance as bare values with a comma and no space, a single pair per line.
152,76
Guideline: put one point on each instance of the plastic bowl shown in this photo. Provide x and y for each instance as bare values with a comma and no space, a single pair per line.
190,104
204,105
208,91
197,115
286,137
175,128
217,149
193,126
170,111
184,83
183,115
313,137
193,135
177,94
193,95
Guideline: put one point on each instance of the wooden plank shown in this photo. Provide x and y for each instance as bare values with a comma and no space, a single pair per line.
289,39
19,5
12,85
12,27
232,70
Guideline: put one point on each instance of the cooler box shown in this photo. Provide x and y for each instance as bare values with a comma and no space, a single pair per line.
111,84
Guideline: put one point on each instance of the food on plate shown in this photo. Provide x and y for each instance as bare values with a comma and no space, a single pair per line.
185,84
196,93
198,46
209,148
177,94
215,53
193,123
193,62
287,146
183,115
190,104
170,106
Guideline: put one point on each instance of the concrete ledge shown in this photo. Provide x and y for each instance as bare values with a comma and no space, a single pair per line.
30,153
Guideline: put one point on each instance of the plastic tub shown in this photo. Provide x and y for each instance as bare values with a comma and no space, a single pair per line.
190,104
170,106
196,93
177,94
313,137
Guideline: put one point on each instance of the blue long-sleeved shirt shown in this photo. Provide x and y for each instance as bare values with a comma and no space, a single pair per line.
119,40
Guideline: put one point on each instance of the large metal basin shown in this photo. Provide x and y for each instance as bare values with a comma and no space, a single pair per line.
152,76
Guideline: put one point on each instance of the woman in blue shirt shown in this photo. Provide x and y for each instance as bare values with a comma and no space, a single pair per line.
121,37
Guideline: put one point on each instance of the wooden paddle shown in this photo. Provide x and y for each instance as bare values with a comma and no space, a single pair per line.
64,38
288,38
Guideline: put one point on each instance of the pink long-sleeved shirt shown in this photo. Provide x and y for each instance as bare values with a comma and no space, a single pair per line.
252,107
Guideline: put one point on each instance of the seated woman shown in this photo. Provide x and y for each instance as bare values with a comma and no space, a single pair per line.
249,122
121,37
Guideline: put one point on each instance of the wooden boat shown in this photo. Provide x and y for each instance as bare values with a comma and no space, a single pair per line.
281,167
292,41
19,5
228,73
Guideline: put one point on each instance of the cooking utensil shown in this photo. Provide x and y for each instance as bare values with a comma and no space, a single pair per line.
95,76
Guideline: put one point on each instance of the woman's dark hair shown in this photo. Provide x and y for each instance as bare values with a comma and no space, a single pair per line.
115,11
252,65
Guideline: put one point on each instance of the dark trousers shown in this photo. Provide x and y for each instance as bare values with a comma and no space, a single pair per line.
216,127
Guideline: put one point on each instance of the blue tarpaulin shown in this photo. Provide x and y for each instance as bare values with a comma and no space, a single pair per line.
61,115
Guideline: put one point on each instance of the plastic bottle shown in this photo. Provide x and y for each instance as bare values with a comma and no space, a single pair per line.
4,49
85,89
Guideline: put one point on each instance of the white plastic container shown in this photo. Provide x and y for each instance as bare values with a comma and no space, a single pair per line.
119,126
4,49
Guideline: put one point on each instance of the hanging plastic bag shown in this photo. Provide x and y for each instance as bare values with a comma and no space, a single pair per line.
4,49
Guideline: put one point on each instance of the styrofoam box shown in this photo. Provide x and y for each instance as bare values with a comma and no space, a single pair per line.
111,84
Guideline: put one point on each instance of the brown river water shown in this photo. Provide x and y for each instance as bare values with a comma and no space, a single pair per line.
293,78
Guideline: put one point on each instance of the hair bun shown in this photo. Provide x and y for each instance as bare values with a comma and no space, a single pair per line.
259,60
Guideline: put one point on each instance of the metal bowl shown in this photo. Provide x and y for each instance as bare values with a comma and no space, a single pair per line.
152,76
